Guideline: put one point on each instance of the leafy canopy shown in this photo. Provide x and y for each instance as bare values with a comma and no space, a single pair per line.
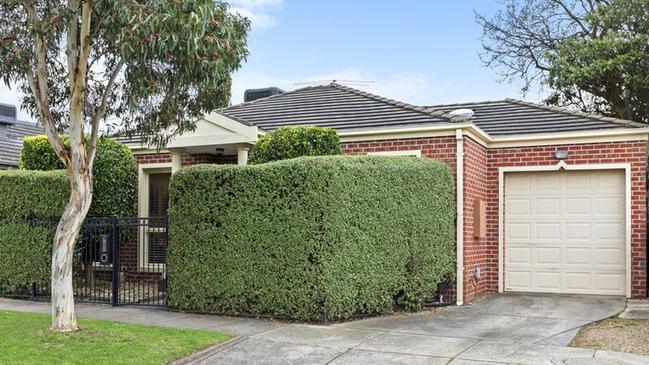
153,65
592,54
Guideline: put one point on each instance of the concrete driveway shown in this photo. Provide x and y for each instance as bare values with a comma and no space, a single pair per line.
509,329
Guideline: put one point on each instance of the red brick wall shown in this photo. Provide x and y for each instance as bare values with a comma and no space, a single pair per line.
439,148
475,248
593,153
188,159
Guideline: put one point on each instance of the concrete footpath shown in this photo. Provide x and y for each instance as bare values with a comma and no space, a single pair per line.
501,329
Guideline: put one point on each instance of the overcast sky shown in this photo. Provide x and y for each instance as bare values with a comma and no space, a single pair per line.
422,52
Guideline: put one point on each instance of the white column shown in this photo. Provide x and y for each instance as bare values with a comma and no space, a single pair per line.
242,154
176,160
459,192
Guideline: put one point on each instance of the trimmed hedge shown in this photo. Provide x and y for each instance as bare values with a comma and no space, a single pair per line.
291,142
311,237
25,248
114,173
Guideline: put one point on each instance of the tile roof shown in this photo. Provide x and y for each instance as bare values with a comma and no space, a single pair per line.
11,142
345,108
515,117
334,106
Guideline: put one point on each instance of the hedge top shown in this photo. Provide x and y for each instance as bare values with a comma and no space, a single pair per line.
114,173
291,142
27,194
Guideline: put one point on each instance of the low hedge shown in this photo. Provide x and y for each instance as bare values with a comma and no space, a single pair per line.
27,200
114,173
311,237
292,142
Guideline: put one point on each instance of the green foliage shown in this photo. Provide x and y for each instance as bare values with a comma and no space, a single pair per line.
25,247
291,142
613,66
173,59
114,172
311,237
592,54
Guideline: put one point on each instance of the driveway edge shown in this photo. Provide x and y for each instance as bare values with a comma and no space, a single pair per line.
208,352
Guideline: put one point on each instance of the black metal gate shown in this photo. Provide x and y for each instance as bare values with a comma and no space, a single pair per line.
117,261
122,261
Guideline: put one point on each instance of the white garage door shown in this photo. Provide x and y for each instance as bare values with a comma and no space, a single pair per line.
565,232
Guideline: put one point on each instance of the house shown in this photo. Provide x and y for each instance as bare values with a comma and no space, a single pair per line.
548,200
12,132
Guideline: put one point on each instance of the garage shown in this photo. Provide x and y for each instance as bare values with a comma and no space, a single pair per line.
565,232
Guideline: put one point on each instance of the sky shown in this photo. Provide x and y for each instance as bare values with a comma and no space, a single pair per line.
424,52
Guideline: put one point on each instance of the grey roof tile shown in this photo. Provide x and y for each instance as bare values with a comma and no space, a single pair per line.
345,108
333,106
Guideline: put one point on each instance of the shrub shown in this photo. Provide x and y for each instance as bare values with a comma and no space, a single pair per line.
291,142
311,237
114,172
25,248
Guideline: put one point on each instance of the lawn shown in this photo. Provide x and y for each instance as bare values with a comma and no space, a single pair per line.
615,334
26,339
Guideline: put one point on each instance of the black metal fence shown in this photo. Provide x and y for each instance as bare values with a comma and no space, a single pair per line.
117,261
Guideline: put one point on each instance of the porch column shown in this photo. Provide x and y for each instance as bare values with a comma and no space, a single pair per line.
242,154
176,160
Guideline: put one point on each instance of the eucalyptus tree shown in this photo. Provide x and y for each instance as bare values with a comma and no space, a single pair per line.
86,67
591,53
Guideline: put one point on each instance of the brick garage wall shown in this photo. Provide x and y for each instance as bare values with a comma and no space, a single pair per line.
634,152
439,148
475,248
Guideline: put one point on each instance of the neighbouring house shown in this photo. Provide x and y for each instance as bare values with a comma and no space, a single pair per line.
12,132
548,200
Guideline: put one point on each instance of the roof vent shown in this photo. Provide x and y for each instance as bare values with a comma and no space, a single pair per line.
8,113
461,115
254,94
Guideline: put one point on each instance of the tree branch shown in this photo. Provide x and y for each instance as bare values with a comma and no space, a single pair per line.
73,42
102,110
37,81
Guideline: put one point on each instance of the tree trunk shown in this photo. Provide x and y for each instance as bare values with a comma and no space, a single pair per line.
67,233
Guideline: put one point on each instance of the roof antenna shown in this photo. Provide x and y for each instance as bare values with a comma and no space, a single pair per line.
334,81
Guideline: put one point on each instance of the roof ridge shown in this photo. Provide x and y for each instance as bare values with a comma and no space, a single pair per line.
578,113
420,109
468,103
271,97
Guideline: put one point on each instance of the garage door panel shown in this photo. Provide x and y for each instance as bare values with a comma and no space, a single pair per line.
548,280
609,206
564,232
577,206
547,206
577,256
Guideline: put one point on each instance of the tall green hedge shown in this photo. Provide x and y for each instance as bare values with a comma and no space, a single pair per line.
311,237
114,173
25,247
292,142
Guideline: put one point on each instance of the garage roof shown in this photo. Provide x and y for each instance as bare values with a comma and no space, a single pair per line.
346,108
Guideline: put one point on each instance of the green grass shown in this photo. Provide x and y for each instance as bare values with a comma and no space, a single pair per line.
25,338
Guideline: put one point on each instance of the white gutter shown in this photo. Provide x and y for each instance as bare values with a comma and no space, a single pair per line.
459,192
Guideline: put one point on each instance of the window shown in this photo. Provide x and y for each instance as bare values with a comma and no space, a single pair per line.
412,153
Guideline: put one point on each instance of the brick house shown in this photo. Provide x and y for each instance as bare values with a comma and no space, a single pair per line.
549,200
